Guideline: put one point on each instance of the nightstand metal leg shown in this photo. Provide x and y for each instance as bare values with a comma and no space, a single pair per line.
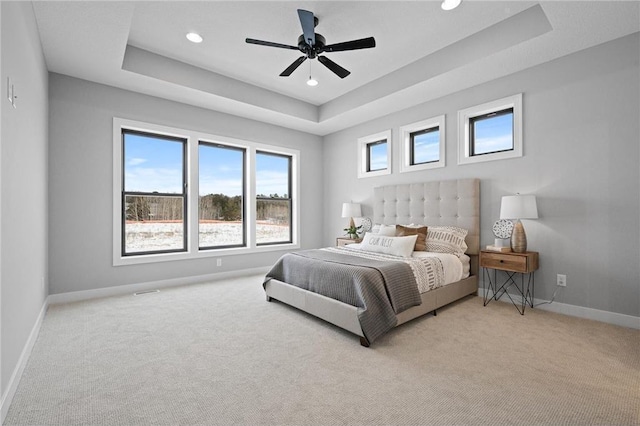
497,291
489,285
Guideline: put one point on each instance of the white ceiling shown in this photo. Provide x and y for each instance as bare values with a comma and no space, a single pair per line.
422,52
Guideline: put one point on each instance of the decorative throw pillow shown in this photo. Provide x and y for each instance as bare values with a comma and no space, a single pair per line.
421,232
446,239
396,246
380,229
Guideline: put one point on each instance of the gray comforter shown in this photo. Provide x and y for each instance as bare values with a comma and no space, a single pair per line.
379,290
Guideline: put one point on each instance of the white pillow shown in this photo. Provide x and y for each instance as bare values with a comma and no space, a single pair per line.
388,230
396,246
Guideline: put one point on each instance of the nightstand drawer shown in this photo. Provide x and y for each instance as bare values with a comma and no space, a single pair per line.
515,262
341,242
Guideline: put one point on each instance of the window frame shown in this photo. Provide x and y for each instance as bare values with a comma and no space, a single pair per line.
364,154
406,147
289,199
244,201
125,193
468,116
192,189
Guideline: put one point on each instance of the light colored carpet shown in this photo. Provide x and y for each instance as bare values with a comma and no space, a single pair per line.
218,353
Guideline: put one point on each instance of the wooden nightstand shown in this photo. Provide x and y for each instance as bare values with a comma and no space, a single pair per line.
512,264
345,241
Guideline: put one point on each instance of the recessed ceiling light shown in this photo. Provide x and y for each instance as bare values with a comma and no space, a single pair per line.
194,37
450,4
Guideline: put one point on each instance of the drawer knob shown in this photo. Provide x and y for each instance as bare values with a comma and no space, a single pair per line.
501,261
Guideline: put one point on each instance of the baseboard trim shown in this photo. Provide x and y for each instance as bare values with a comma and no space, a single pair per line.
14,381
77,296
614,318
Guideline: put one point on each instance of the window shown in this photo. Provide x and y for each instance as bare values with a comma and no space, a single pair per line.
423,145
491,131
374,154
273,199
153,193
221,196
181,194
377,156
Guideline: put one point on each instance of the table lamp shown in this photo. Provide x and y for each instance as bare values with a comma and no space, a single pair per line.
351,210
518,207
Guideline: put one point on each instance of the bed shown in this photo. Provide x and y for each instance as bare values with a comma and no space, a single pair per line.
448,203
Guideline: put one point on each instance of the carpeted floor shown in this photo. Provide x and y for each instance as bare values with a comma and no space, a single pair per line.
218,353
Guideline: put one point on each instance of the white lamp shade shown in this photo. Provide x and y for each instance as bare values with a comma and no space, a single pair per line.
351,210
519,207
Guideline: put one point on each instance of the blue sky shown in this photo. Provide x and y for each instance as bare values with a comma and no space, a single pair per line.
152,164
426,147
156,165
220,170
378,157
494,134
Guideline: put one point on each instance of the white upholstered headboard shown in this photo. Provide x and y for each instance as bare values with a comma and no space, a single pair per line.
448,202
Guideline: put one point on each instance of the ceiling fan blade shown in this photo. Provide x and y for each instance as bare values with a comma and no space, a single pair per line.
308,26
337,69
271,44
291,68
363,43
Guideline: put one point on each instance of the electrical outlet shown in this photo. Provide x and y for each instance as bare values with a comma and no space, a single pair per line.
562,280
219,262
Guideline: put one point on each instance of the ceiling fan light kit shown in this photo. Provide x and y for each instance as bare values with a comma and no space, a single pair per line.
194,37
312,45
450,4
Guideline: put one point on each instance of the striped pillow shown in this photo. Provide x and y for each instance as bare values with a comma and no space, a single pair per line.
446,239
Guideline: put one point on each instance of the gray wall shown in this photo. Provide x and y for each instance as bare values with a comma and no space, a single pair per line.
23,254
80,182
581,151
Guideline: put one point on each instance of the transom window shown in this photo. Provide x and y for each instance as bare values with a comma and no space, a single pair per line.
491,131
423,145
181,194
377,156
374,155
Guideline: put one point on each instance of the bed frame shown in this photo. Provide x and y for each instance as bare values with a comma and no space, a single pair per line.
449,202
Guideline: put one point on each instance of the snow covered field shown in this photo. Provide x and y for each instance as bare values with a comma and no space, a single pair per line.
151,236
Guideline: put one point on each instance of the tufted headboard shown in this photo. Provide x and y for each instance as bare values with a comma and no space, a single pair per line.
448,202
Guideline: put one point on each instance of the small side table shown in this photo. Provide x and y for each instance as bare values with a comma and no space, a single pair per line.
512,264
345,241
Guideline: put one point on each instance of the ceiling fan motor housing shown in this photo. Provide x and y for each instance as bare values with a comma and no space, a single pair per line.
312,51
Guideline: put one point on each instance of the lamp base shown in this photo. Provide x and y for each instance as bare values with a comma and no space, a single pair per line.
518,238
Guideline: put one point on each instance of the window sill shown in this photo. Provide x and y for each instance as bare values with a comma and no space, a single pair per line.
211,253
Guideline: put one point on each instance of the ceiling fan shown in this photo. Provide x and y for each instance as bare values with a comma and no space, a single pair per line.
312,45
